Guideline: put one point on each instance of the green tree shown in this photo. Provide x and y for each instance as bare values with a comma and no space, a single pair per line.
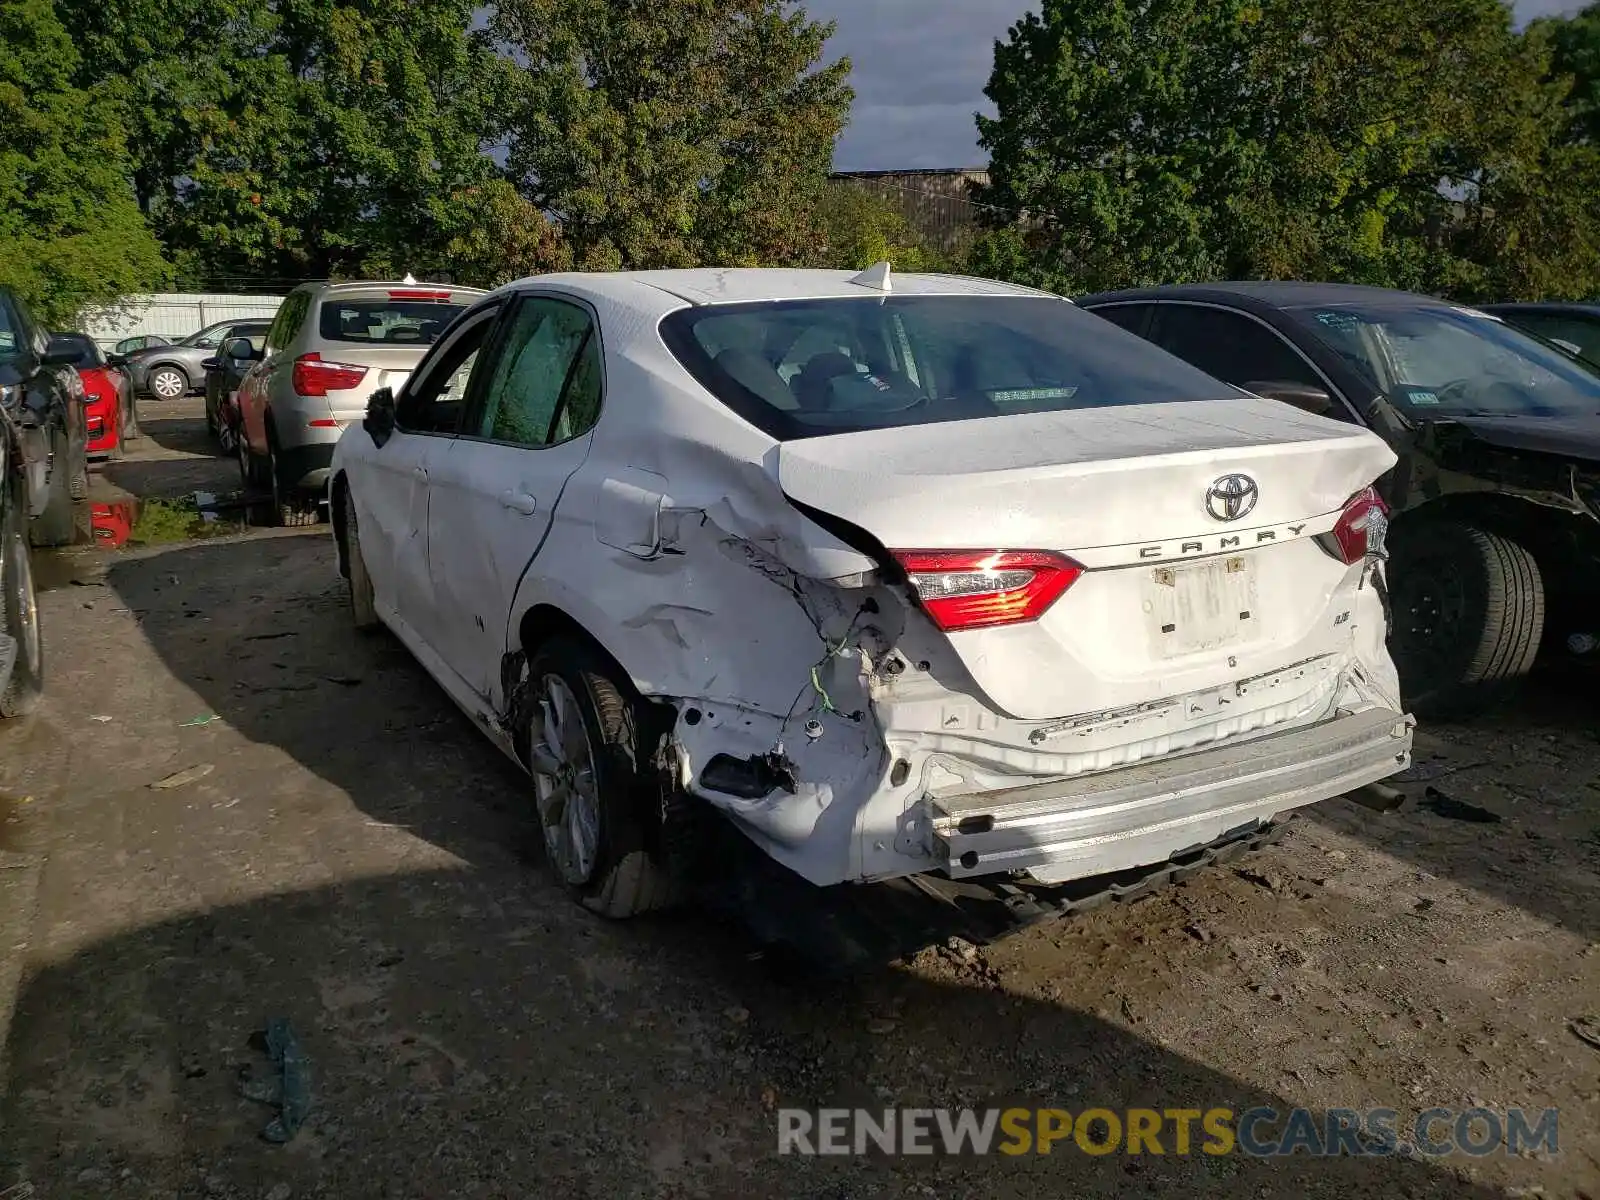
660,133
859,227
1575,52
294,138
70,232
1145,141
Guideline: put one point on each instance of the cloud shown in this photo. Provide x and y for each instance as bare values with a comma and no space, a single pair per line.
920,67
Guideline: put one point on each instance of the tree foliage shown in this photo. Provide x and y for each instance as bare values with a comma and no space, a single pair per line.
1145,141
70,232
670,133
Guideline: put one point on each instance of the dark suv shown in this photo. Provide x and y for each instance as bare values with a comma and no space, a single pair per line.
1496,534
43,400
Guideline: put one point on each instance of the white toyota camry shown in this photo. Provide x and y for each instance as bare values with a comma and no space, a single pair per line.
899,573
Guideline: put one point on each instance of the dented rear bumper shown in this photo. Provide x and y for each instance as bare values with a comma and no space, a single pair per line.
1147,812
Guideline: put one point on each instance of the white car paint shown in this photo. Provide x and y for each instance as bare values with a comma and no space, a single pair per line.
674,533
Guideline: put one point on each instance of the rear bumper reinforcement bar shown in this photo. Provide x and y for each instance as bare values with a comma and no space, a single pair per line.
1147,813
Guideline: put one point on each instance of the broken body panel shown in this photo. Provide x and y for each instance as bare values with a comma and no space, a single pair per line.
1195,679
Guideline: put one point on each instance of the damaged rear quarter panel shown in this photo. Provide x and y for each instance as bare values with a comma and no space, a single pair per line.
678,553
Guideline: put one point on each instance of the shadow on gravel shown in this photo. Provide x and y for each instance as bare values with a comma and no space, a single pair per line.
175,456
472,1034
277,658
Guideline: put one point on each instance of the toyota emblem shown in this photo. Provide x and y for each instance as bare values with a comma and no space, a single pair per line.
1232,497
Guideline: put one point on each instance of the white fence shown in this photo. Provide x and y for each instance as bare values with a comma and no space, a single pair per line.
173,315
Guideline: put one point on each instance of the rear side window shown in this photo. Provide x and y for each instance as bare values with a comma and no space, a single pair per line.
1230,346
806,368
382,321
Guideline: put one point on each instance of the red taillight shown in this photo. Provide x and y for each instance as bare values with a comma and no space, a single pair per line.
416,295
974,589
1362,528
313,377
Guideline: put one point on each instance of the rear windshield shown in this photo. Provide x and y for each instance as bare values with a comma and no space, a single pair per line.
84,351
805,368
379,321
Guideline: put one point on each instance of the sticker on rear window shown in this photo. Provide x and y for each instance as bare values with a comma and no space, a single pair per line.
1032,395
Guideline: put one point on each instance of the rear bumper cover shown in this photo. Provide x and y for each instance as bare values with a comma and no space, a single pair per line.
1146,813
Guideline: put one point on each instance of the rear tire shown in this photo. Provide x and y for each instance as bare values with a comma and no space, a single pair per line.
19,617
291,508
53,527
363,610
1468,617
78,481
621,875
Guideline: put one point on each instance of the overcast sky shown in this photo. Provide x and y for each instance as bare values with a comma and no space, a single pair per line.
920,70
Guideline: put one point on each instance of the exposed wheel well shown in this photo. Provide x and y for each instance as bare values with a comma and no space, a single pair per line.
545,621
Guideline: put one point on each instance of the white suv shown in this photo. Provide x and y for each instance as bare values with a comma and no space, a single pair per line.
330,346
899,574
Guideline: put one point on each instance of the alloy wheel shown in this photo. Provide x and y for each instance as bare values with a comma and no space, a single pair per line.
168,384
564,781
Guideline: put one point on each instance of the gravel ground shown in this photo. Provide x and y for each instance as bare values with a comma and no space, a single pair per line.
348,852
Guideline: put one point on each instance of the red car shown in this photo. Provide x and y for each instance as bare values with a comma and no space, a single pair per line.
109,410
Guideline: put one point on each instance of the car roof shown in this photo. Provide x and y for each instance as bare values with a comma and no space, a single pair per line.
744,285
1268,294
1544,306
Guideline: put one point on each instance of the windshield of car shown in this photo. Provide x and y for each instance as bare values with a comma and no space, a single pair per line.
84,351
1435,361
208,338
10,331
378,320
805,368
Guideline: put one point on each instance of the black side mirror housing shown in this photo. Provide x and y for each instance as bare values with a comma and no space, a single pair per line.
379,421
239,348
1304,396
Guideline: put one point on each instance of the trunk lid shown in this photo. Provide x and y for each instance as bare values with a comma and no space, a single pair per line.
1177,595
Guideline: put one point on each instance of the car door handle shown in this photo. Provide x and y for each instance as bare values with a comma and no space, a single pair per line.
518,502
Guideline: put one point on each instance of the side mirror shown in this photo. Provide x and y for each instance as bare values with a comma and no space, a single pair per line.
379,421
1305,396
239,348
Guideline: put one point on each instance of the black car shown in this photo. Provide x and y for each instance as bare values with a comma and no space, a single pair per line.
1495,543
223,373
21,648
43,401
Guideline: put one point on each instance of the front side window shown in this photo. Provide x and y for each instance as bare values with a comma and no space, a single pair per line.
1437,361
807,368
546,382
